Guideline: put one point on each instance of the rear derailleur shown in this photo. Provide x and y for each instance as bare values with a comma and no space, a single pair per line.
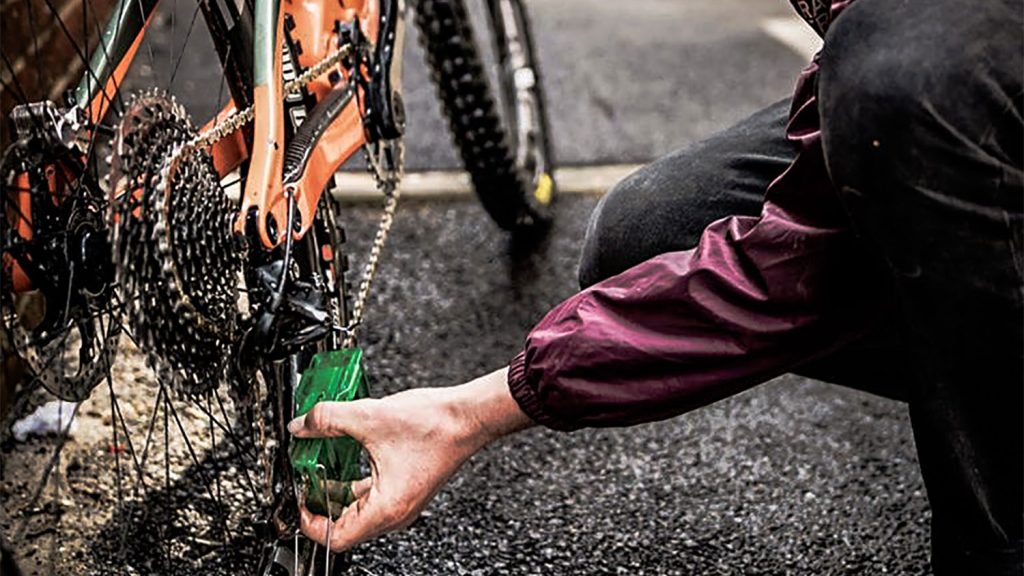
290,315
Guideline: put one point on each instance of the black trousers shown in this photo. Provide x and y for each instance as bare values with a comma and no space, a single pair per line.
921,112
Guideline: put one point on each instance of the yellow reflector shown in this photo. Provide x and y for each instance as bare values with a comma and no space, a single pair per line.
545,186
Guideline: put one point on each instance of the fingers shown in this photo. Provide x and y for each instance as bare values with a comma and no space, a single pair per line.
359,522
361,487
331,419
315,526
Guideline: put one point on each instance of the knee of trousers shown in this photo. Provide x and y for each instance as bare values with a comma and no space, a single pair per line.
922,74
663,207
590,270
612,234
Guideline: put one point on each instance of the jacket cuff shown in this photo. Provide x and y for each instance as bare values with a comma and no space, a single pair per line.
527,397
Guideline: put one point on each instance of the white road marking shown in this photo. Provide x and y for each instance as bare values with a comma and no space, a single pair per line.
794,33
439,184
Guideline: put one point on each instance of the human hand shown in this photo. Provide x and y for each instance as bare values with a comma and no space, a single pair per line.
416,440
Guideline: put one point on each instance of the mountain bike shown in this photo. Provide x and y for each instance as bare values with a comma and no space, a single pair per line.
215,249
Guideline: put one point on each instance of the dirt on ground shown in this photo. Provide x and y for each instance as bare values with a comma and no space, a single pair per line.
133,490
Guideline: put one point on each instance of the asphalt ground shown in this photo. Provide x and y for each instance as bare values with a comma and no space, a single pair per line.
792,477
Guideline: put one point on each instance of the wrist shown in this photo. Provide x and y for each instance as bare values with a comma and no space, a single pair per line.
485,409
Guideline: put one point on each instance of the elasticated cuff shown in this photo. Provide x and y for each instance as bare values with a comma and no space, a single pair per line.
527,397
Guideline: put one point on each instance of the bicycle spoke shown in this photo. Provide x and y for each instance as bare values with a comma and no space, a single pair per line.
128,442
140,479
78,51
167,476
117,89
65,332
19,90
149,45
195,461
63,435
181,53
35,42
220,89
213,450
12,89
119,513
240,450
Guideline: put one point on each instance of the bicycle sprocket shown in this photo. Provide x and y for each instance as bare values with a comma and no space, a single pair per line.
178,261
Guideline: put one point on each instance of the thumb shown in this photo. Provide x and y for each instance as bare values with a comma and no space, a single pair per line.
331,419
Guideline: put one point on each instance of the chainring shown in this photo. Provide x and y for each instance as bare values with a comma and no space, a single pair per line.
177,259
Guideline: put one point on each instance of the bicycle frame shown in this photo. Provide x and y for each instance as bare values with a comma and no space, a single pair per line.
339,112
265,189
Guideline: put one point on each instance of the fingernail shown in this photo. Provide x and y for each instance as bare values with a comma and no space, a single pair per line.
295,425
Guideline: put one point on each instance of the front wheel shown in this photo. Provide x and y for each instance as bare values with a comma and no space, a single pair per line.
505,147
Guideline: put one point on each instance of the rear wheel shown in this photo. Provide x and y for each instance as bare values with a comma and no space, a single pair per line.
501,135
167,472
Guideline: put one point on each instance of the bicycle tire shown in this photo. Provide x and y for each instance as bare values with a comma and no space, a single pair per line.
479,132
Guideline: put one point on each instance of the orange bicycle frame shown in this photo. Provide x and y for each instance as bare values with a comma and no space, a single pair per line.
266,197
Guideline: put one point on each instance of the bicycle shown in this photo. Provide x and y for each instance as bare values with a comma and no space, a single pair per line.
119,224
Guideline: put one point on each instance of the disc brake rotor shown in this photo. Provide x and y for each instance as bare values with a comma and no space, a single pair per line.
61,325
177,259
69,364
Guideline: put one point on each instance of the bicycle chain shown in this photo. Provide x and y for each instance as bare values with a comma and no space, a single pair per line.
387,181
240,118
386,173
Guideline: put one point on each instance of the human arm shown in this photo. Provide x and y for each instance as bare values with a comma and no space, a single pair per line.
758,297
676,332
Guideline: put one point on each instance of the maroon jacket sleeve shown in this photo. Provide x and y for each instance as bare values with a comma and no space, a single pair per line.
756,298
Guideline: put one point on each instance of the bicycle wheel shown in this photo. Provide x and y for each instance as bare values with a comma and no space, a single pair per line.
505,147
192,449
